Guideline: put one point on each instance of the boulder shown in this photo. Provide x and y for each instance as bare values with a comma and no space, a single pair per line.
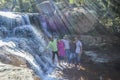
99,41
10,72
67,20
13,60
17,61
79,20
4,59
36,77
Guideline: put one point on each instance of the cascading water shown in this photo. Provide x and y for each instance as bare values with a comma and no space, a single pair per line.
26,41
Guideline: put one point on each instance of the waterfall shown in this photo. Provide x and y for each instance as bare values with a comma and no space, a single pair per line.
28,39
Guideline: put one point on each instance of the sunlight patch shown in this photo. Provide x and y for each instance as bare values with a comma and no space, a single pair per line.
9,44
9,14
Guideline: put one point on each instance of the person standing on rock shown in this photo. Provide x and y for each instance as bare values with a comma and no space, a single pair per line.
72,50
78,51
53,46
67,47
61,50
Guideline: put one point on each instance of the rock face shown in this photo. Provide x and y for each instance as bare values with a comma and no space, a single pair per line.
14,68
9,72
98,40
79,20
8,58
71,20
17,61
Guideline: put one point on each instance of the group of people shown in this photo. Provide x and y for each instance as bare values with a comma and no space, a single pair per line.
67,50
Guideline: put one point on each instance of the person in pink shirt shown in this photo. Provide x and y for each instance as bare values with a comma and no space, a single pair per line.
61,50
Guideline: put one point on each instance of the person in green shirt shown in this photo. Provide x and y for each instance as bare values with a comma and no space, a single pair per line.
53,46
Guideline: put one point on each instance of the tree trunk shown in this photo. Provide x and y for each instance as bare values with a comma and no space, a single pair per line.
21,5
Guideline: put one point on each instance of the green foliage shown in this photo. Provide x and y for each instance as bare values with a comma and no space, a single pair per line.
5,4
108,13
18,5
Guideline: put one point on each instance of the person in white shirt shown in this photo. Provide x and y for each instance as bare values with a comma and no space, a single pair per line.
78,51
67,47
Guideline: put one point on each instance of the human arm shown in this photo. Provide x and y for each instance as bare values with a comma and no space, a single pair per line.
81,49
48,46
80,44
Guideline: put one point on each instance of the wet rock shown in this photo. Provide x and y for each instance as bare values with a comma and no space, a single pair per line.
46,7
13,60
74,20
15,67
100,42
7,57
36,77
4,58
17,61
97,57
79,19
9,72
